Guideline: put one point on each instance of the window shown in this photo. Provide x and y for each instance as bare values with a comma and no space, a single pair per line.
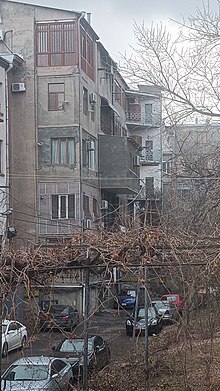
55,96
63,151
91,159
148,113
95,207
56,44
63,206
167,167
87,54
167,163
149,186
85,101
202,137
86,209
149,150
89,154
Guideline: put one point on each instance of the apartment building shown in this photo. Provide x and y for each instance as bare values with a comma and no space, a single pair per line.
71,161
8,64
144,121
191,182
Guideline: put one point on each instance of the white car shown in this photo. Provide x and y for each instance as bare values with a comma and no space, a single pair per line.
14,336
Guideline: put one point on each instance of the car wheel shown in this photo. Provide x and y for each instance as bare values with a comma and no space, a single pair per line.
23,342
5,350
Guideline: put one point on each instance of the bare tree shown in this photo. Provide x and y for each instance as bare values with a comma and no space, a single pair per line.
184,64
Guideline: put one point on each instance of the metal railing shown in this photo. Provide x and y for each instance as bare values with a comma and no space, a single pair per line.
141,118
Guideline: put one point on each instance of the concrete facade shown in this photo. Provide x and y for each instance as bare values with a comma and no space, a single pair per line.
144,122
70,94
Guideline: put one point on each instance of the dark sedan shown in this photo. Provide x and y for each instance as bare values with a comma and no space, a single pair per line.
154,322
126,299
59,316
72,349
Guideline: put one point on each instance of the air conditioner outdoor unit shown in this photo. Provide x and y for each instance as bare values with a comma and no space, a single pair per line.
18,87
104,204
87,224
1,35
91,145
92,97
137,161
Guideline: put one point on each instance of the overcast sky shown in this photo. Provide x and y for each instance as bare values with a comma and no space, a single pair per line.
113,19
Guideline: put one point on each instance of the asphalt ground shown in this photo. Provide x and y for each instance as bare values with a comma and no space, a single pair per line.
110,324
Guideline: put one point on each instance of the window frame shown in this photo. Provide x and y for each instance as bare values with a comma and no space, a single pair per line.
60,140
85,94
87,54
59,39
56,94
58,215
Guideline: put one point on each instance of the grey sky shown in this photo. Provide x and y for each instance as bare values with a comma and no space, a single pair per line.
113,19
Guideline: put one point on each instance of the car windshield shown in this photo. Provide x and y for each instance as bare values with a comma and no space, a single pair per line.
59,310
131,293
141,313
26,372
161,304
170,298
74,346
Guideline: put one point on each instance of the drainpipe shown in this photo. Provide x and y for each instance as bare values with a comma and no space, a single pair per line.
6,220
82,15
10,67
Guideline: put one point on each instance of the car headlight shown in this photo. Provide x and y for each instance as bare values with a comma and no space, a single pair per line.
154,322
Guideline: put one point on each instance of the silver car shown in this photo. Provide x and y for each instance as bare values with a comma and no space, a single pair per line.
14,336
168,313
38,374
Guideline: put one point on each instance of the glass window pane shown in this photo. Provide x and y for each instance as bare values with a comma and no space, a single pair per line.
52,102
92,160
63,207
63,155
55,152
56,60
56,87
71,151
71,206
54,206
60,98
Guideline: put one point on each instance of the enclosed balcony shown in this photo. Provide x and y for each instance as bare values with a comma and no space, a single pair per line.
119,170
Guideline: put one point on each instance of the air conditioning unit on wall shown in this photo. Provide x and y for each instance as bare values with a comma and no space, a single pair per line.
91,145
92,97
104,204
87,224
137,161
18,87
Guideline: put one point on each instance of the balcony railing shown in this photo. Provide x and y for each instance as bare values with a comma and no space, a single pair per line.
140,118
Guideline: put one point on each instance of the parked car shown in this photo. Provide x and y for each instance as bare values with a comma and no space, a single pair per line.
154,322
73,351
59,316
168,312
175,300
14,336
38,374
126,299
